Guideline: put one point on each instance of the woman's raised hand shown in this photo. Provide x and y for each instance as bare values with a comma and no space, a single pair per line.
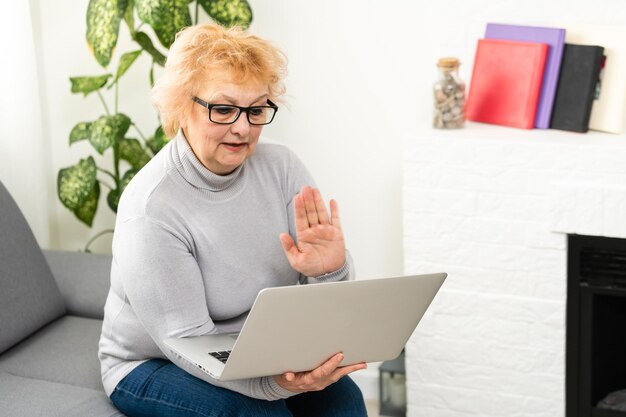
320,247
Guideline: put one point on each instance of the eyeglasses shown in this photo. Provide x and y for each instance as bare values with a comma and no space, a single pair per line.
227,114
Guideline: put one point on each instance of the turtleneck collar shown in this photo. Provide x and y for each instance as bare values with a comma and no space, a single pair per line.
192,170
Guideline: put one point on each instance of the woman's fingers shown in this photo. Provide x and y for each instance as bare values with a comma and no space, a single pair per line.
333,363
328,367
320,207
310,208
309,205
289,246
331,368
334,214
310,201
345,370
302,222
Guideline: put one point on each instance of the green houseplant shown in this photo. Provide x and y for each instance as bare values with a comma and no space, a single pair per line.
79,186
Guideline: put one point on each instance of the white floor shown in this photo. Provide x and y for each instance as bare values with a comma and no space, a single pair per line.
367,380
372,408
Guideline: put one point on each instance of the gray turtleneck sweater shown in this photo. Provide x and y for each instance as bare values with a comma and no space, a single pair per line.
191,251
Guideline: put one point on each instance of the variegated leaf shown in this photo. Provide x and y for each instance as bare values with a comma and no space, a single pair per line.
157,141
129,17
131,151
81,131
88,85
108,130
229,12
126,61
113,198
87,211
103,25
166,17
146,43
76,183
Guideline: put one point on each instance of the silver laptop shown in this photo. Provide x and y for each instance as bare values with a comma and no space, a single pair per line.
297,328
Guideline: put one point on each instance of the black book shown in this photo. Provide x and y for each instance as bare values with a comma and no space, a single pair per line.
576,90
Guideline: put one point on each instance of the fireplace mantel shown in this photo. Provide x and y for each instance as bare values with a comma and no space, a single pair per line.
492,206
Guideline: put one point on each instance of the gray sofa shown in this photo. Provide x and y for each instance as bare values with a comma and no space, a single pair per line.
51,306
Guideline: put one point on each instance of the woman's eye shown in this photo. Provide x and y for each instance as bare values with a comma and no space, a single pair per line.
224,110
256,111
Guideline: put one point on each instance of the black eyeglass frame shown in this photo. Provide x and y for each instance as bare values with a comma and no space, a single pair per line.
209,106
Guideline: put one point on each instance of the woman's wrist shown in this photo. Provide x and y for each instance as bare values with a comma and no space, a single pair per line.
332,276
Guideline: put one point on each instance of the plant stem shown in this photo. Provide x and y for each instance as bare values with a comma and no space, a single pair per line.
109,173
105,184
117,83
197,4
116,164
106,109
140,134
104,232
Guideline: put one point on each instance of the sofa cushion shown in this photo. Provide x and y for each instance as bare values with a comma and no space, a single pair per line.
84,280
64,351
30,297
25,397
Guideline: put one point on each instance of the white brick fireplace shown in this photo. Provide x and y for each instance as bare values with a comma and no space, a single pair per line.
492,207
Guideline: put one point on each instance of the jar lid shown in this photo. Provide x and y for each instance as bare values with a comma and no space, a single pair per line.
448,62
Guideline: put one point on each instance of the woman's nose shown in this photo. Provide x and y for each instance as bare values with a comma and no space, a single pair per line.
241,125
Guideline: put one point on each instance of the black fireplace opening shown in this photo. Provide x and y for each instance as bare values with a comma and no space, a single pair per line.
596,327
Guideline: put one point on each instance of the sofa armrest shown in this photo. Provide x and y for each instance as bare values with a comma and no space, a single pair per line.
84,280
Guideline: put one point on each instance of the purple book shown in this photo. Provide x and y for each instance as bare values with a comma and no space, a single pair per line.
555,38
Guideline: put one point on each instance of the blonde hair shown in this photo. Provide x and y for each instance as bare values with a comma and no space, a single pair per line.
202,50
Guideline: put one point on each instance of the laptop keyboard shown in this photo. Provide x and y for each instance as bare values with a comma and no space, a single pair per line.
221,356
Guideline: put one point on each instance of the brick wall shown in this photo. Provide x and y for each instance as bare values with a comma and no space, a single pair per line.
491,206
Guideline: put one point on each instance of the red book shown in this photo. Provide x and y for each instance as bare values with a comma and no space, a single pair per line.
506,82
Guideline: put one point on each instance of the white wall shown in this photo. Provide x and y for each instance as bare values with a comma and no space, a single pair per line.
23,162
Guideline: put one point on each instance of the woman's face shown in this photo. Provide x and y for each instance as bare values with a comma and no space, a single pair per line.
222,148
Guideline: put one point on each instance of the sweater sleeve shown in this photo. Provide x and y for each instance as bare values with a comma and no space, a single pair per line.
163,284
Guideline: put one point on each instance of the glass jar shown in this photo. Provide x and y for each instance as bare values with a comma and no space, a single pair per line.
449,92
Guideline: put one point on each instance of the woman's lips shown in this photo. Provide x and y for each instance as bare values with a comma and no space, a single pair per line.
235,147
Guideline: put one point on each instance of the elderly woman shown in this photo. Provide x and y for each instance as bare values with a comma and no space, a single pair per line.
214,218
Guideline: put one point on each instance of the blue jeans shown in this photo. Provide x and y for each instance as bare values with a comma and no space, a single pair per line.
160,388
